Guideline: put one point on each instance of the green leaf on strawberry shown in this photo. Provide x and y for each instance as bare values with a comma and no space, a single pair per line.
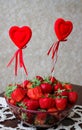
47,80
36,82
20,104
9,90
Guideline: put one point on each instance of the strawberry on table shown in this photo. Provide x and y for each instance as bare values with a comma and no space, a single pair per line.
73,96
35,93
61,102
18,94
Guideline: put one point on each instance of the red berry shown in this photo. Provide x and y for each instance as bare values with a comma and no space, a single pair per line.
32,104
72,97
58,86
25,83
61,103
46,103
52,79
68,87
12,101
62,92
39,78
46,88
35,93
40,118
18,94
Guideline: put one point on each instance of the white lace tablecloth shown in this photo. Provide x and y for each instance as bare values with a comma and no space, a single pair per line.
74,119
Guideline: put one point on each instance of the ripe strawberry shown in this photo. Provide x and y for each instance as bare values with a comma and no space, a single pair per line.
53,109
32,104
39,78
72,97
64,93
29,103
18,94
24,84
46,88
40,119
61,103
47,95
58,86
52,79
68,87
46,103
61,92
29,85
12,101
25,100
35,93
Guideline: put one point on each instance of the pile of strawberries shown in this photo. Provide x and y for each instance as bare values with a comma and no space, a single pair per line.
46,94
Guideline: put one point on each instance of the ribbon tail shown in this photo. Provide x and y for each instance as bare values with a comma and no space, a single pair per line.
12,58
22,62
25,68
16,64
55,49
50,49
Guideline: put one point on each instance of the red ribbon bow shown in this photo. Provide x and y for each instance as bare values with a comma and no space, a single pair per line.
18,56
54,48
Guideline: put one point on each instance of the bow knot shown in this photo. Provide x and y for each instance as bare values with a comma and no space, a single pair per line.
18,57
54,49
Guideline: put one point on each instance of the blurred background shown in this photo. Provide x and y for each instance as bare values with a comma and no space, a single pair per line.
40,15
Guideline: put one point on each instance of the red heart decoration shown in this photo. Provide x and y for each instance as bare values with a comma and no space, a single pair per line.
62,28
20,36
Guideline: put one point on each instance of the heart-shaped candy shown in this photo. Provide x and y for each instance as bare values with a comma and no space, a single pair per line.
20,35
62,28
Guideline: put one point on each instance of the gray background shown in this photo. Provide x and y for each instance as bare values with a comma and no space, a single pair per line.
40,16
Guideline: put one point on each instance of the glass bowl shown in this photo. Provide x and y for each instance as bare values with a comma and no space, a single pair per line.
38,118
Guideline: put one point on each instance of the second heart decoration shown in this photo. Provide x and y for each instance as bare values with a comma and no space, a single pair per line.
62,29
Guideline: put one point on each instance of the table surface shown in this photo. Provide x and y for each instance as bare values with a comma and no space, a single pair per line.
65,122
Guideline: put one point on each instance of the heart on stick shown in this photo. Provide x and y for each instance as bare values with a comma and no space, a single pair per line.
20,35
62,28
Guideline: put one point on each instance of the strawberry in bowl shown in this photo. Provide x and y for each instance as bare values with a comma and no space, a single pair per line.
41,102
